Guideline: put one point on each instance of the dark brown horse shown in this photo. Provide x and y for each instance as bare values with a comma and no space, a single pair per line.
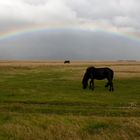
99,74
67,62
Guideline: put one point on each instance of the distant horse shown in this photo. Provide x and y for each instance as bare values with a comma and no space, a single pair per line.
67,61
99,74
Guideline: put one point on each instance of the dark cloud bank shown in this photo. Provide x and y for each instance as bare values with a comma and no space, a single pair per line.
69,44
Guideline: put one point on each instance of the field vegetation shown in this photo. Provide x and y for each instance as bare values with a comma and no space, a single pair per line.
44,100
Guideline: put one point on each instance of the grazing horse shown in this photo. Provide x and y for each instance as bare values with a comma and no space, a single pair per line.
67,61
99,74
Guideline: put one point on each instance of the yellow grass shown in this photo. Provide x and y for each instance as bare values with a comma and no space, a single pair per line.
122,69
56,127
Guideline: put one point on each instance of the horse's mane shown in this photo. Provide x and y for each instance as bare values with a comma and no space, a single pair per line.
89,69
88,72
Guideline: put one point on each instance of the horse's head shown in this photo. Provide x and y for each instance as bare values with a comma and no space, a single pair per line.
85,84
85,80
88,74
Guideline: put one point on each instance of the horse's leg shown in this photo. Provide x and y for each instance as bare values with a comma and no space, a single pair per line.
111,88
92,84
109,83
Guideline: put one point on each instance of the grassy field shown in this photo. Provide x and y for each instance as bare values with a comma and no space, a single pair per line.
44,100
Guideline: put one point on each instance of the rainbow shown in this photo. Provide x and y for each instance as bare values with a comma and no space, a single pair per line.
45,28
20,31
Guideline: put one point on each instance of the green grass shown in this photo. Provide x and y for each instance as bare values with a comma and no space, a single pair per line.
48,102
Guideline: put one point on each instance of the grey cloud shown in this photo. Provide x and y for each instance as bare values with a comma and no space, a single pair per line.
8,25
114,12
35,2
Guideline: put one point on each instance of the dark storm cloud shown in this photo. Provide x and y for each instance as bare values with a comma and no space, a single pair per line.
68,44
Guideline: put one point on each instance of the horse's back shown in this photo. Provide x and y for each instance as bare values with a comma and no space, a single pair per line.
102,73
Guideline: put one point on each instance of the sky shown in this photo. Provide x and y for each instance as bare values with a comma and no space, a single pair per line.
70,29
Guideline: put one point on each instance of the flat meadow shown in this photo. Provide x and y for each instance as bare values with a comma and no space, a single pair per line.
44,100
